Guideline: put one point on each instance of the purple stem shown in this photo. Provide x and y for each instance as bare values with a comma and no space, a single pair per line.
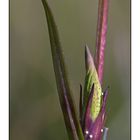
101,36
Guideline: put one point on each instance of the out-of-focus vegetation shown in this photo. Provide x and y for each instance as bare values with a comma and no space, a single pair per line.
35,112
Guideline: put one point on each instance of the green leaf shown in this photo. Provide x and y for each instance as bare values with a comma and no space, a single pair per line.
90,79
71,120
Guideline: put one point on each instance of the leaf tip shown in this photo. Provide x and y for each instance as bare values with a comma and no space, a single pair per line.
88,59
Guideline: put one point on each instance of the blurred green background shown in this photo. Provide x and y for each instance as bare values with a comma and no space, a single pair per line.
35,113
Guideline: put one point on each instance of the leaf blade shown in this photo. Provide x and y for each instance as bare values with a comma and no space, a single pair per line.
90,79
71,120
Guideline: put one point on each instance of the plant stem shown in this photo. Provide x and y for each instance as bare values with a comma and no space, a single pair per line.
101,37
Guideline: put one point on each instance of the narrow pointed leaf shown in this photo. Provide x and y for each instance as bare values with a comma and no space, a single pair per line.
71,120
87,117
101,36
90,79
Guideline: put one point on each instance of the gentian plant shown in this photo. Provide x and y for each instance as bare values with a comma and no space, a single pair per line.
90,125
